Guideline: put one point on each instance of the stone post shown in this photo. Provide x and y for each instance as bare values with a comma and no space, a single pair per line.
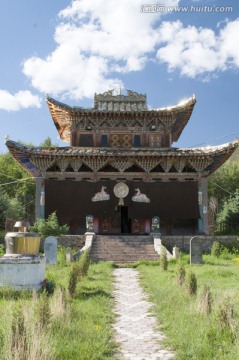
68,254
203,206
204,187
40,199
175,252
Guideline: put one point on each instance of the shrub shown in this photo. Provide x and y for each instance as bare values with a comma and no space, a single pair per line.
205,300
85,262
225,253
163,258
2,252
180,273
216,249
78,271
191,283
49,227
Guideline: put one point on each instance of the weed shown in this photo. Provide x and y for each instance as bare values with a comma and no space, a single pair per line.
191,283
224,314
204,303
61,255
163,258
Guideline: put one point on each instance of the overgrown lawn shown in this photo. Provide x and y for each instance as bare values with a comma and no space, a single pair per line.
192,334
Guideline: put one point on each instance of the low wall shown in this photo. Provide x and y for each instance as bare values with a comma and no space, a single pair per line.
72,241
182,242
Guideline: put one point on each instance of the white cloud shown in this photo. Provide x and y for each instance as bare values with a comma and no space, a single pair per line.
194,51
98,40
95,41
20,100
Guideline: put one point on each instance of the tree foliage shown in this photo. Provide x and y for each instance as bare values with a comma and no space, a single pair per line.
228,217
224,181
48,143
17,191
17,188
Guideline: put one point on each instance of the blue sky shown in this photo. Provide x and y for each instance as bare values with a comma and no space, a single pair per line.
70,50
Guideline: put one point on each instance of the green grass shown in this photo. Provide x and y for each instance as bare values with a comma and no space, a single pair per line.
79,327
87,334
191,334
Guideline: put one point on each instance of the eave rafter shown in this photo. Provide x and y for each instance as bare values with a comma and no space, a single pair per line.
170,161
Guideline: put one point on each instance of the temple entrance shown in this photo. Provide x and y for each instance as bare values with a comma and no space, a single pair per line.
125,221
119,223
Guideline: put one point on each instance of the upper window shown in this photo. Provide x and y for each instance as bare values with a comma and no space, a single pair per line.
104,140
137,141
86,140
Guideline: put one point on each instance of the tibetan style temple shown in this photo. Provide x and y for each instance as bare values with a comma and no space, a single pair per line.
120,173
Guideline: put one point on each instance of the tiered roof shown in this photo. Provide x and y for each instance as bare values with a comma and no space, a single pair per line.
143,163
116,110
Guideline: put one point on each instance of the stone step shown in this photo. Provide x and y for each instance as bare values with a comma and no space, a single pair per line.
116,247
123,248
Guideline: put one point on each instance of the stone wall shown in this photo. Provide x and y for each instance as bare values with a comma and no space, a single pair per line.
182,242
73,241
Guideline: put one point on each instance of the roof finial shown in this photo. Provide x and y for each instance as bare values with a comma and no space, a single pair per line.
120,90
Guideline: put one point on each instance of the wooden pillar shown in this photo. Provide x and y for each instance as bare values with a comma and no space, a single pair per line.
203,206
40,199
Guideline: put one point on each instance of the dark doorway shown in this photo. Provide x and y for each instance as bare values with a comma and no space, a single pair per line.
125,221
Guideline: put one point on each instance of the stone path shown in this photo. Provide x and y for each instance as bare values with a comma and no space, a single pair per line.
135,328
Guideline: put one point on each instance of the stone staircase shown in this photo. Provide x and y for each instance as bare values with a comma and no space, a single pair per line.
123,248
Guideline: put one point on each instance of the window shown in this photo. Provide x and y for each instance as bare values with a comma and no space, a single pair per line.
86,140
104,140
137,141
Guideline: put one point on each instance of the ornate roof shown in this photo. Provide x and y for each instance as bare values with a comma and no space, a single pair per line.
104,161
110,110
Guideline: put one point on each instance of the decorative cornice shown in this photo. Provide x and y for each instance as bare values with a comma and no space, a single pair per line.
171,161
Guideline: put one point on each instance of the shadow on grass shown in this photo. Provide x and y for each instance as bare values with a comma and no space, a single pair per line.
214,264
87,293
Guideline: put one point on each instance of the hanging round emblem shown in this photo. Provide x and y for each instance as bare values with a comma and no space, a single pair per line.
121,190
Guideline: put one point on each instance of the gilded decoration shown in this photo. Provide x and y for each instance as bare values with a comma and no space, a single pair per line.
121,190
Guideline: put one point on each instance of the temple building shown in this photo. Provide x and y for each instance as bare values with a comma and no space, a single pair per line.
121,172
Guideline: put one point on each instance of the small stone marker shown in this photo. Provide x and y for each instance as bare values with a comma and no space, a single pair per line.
68,254
175,252
195,250
50,250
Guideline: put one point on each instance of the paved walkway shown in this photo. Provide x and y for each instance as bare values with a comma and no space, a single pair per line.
135,327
